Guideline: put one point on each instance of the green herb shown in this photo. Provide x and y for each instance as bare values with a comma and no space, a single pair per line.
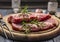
27,31
34,21
23,23
25,27
25,10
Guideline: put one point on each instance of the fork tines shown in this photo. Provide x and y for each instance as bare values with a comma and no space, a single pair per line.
4,33
4,24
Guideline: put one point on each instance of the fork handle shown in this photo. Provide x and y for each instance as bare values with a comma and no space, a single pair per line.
1,16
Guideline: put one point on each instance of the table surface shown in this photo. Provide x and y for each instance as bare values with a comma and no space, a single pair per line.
8,11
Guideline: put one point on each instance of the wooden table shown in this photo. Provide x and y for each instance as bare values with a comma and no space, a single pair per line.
8,11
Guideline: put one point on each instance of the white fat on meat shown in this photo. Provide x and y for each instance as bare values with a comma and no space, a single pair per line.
49,24
32,25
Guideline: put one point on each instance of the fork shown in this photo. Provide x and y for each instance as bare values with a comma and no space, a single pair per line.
2,26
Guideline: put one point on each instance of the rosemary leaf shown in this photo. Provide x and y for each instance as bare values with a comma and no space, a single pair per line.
24,10
27,31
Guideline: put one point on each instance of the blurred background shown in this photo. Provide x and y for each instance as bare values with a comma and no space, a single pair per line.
6,4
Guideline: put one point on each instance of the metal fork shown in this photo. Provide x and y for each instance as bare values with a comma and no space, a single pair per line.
4,24
3,28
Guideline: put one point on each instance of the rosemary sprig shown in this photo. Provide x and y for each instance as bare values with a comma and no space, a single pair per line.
39,24
34,22
25,10
25,27
27,31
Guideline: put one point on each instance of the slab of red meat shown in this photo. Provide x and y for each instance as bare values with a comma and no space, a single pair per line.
17,19
48,20
47,26
53,21
40,16
43,17
50,23
17,27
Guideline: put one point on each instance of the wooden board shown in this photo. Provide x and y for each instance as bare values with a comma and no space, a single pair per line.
2,39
